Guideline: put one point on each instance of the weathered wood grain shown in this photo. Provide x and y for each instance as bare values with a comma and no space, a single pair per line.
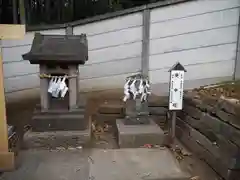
193,111
195,100
220,127
158,111
201,152
230,107
228,118
222,149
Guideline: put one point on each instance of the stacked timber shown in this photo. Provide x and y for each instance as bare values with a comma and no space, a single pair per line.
209,126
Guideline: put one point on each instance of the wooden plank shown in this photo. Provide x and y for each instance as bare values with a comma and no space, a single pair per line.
192,111
6,158
229,118
216,125
3,121
220,127
7,161
9,31
221,148
201,152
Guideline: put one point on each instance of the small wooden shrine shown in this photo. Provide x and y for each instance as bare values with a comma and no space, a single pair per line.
58,57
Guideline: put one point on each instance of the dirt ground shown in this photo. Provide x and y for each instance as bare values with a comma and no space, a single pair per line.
19,115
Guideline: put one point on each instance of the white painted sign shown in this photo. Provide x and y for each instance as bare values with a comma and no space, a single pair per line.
176,90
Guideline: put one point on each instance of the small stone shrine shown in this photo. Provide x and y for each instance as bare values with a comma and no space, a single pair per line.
58,57
137,128
136,90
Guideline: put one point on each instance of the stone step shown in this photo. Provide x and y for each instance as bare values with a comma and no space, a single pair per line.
58,122
101,118
135,164
80,110
57,139
135,136
159,120
111,109
98,164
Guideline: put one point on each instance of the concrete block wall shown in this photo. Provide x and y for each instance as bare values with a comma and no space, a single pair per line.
201,34
114,51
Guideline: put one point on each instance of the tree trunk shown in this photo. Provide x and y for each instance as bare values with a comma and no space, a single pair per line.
15,11
22,12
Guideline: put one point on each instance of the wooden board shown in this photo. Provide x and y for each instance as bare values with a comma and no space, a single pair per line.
6,157
201,152
10,31
7,161
3,121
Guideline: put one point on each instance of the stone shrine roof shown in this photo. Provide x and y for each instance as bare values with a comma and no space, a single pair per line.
58,49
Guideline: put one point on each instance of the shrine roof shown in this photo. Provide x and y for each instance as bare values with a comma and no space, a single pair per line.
61,49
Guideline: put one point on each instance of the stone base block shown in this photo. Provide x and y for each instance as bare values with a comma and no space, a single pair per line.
135,164
131,136
138,120
59,121
52,140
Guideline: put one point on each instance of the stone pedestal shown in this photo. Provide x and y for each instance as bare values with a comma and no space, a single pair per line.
137,128
136,113
59,114
59,120
134,136
58,128
56,139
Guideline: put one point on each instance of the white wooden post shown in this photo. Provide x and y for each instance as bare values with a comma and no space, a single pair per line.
175,93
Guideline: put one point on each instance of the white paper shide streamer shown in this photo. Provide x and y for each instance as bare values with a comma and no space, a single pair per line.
57,86
136,86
